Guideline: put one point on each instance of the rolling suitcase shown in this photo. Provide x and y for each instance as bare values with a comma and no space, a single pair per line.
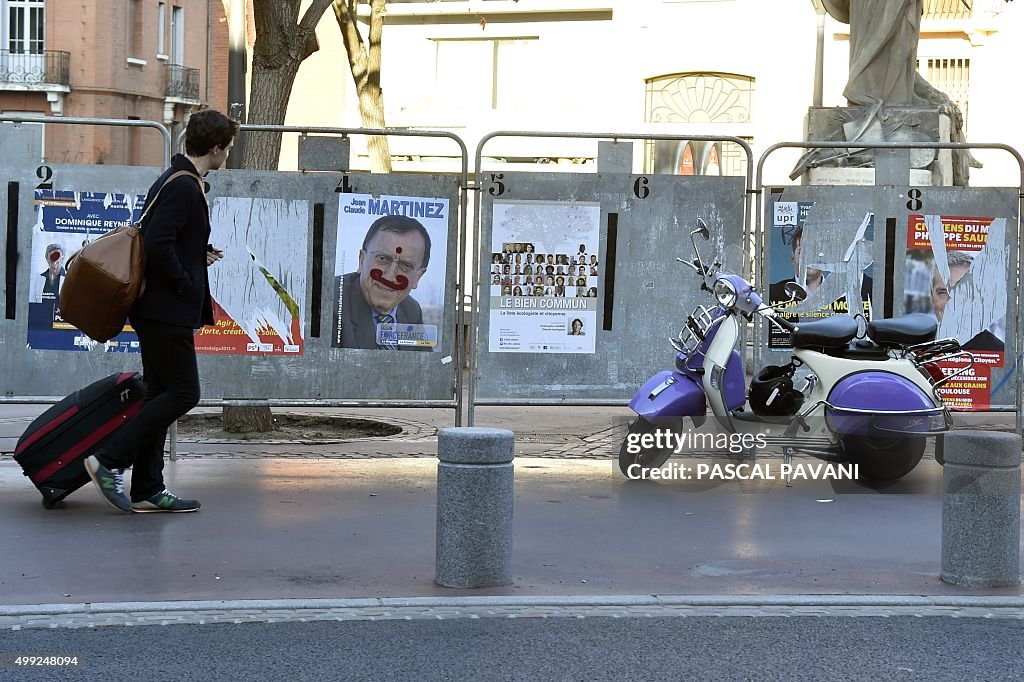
53,449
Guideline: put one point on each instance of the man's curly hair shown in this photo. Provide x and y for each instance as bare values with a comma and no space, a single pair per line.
208,129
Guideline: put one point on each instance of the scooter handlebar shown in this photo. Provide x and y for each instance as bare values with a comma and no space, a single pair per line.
699,268
689,264
776,319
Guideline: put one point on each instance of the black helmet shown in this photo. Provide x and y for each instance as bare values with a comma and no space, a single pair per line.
772,393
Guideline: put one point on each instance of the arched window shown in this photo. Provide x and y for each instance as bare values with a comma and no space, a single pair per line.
718,99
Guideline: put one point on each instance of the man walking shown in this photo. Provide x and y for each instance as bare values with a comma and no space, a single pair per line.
175,303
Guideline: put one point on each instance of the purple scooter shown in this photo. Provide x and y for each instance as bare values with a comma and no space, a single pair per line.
871,404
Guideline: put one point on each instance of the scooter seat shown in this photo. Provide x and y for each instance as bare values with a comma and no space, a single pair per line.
905,330
831,332
861,349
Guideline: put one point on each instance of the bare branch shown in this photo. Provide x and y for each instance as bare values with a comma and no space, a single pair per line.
365,66
352,39
305,36
376,30
313,14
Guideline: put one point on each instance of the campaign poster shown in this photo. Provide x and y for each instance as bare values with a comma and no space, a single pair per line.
544,275
65,221
956,271
259,286
833,262
389,272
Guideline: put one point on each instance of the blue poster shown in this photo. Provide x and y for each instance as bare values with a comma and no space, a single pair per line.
821,270
65,222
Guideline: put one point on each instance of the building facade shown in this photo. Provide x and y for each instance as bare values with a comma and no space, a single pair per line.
741,68
152,60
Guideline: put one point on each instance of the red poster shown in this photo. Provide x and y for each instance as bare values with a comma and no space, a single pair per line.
962,234
970,389
225,336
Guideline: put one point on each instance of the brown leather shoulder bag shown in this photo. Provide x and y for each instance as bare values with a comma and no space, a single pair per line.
105,277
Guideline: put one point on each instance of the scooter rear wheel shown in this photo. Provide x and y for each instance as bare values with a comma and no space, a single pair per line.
884,459
646,458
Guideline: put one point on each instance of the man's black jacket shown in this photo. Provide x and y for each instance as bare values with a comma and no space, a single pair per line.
175,234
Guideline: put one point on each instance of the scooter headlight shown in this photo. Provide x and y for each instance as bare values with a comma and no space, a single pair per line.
725,293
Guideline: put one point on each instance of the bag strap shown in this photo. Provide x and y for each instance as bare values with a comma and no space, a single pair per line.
174,176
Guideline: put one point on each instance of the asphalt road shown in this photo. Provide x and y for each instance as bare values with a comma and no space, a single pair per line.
596,648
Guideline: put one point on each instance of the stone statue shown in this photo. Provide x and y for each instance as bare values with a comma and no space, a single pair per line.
883,49
883,73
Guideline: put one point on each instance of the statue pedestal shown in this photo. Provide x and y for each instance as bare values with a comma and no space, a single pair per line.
855,166
919,177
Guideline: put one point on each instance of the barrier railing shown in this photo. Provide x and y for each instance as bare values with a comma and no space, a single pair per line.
753,233
464,184
116,122
475,289
1015,275
452,280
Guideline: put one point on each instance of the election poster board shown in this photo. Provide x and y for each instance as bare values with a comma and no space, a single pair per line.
259,286
956,271
830,257
390,272
544,276
65,221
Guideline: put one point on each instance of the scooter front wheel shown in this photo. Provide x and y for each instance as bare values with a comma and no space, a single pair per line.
632,451
884,459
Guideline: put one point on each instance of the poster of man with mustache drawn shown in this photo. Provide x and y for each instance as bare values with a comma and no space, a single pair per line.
389,246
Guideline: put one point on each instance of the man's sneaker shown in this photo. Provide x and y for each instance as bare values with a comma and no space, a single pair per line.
109,482
165,501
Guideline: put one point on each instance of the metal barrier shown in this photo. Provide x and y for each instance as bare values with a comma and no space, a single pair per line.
630,218
840,243
30,147
624,223
21,209
238,199
115,122
379,185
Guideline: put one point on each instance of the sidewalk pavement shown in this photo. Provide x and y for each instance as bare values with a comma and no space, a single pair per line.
356,520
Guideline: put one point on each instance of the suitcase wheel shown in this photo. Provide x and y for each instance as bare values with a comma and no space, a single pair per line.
52,497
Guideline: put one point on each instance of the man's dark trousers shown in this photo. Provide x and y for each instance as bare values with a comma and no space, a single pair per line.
171,375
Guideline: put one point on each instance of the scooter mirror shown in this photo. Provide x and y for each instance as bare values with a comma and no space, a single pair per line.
702,229
795,291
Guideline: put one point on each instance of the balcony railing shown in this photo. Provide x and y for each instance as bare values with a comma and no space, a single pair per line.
947,9
50,67
182,82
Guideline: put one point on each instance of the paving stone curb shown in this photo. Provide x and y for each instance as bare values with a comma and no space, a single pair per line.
83,615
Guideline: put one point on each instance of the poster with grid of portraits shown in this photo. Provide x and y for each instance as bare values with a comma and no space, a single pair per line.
543,277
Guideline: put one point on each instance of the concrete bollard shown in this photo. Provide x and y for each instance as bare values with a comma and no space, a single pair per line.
981,509
475,477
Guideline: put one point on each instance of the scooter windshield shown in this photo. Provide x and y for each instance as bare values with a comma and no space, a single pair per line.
734,261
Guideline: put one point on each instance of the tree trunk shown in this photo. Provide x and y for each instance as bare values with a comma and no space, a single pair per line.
248,416
371,111
371,99
365,66
268,103
281,45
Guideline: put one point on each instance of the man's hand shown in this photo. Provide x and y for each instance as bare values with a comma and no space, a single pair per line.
213,255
